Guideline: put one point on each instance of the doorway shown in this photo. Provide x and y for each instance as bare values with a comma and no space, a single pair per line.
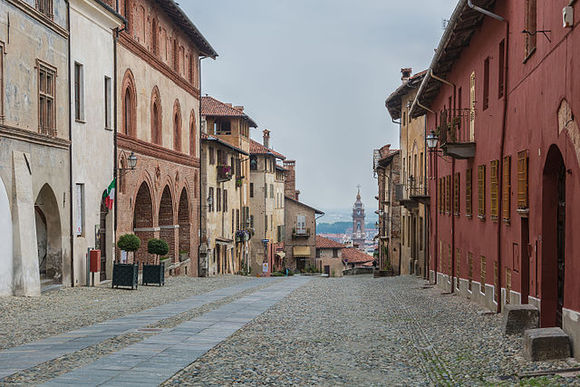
102,245
553,239
525,259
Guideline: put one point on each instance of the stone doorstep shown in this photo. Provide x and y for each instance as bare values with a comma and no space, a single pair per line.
546,344
519,318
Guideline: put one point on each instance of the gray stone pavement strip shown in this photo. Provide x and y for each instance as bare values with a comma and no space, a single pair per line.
25,356
159,357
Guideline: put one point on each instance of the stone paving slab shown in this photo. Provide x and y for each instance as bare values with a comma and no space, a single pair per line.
157,358
25,356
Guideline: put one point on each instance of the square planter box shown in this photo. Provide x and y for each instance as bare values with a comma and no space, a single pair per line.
125,274
154,274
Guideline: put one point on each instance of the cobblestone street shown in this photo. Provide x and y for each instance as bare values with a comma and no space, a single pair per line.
355,330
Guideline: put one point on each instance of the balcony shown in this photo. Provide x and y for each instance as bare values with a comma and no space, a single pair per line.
224,173
419,190
454,134
300,233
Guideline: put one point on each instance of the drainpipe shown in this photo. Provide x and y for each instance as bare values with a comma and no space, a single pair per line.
502,141
425,206
72,247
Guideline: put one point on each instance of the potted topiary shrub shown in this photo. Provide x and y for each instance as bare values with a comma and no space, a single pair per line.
155,274
125,274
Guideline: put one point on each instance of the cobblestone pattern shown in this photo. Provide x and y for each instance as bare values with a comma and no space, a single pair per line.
365,331
23,320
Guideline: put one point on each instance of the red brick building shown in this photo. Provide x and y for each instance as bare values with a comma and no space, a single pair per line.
158,71
501,95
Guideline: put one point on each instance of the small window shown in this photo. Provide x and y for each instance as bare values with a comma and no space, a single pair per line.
507,185
210,204
253,163
523,180
251,190
108,104
211,156
468,193
46,99
501,69
80,209
266,190
225,200
300,223
45,8
79,92
456,208
481,191
531,23
223,127
271,191
494,186
218,197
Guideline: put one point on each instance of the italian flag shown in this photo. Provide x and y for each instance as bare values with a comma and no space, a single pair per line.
109,195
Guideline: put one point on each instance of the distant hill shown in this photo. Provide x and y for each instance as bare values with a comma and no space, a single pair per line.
337,227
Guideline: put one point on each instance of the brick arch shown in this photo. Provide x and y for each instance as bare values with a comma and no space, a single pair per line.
129,104
167,219
184,221
143,219
176,121
192,134
195,184
156,117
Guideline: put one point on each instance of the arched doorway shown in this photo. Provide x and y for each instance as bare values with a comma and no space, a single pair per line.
553,238
6,259
143,220
166,224
48,235
184,224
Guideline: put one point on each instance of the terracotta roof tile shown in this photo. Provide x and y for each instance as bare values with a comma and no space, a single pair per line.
258,149
212,107
354,255
325,243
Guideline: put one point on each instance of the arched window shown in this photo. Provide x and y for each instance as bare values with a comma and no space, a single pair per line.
192,134
127,113
129,105
156,117
154,40
177,126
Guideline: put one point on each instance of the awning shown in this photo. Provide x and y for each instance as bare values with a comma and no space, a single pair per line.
281,254
301,251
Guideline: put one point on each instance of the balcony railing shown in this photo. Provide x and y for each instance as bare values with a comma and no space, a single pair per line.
301,233
455,134
224,173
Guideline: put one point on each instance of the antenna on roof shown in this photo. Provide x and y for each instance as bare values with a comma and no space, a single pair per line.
444,23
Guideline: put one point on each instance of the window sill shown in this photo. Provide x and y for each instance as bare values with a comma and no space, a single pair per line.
529,55
109,129
469,216
481,217
507,221
524,212
494,218
80,121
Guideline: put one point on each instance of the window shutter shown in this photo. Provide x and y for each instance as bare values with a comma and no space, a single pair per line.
457,267
507,185
523,180
468,192
483,274
470,269
472,107
481,190
456,200
448,195
494,188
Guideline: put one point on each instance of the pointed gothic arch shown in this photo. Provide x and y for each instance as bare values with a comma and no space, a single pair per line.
167,220
156,117
129,105
177,126
192,134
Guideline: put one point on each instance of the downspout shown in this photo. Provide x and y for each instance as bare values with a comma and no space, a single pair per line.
72,247
425,206
115,148
502,143
201,231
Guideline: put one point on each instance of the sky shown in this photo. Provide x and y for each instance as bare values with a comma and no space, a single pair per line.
316,73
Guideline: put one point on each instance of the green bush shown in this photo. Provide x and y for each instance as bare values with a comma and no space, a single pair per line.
277,274
157,247
129,242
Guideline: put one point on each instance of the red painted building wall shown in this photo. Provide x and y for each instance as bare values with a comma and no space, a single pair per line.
536,88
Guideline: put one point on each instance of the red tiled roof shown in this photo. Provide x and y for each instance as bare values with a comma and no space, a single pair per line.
325,243
212,107
258,149
354,255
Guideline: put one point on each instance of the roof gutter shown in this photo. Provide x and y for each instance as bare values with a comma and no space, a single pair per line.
486,12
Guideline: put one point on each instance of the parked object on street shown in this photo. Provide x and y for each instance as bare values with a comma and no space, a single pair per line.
153,274
125,274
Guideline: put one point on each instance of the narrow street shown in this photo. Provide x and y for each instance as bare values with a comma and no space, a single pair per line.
356,330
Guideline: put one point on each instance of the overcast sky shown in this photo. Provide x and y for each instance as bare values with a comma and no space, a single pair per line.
317,73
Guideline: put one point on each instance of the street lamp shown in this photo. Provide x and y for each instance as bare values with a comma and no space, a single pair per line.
132,162
432,140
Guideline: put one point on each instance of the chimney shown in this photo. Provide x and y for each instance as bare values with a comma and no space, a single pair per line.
240,108
297,195
266,142
290,181
406,74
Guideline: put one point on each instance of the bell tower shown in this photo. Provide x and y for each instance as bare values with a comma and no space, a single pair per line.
358,222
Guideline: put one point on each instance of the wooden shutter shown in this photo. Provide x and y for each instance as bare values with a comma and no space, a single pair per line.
523,180
456,200
530,27
468,192
507,186
448,193
481,190
508,285
470,269
457,267
483,274
494,175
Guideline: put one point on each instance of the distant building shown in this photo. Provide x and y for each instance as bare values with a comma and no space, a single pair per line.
329,256
358,223
354,258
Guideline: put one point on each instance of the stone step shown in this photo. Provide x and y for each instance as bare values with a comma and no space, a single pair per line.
546,344
519,318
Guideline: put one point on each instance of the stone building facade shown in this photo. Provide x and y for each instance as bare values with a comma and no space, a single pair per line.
414,183
300,244
35,201
265,191
229,125
93,130
388,171
158,67
329,257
